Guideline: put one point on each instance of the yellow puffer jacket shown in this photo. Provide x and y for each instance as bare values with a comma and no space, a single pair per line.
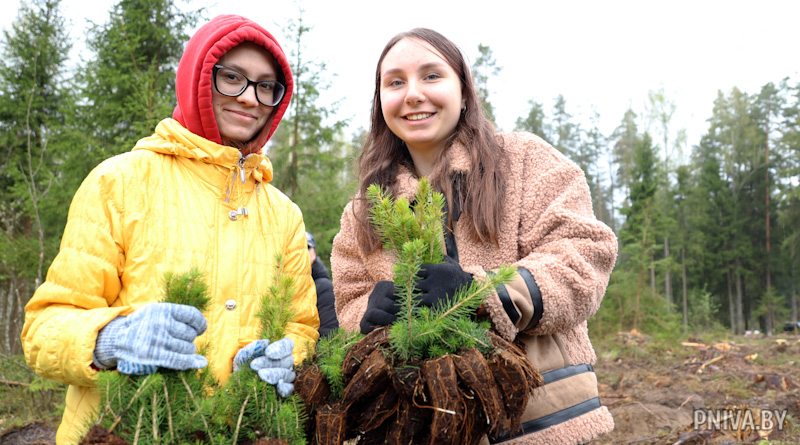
166,206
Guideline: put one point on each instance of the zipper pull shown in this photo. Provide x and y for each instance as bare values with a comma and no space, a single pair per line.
241,168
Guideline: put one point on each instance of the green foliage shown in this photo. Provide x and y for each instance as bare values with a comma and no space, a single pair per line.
416,236
484,68
330,354
275,310
34,101
166,406
188,288
130,84
397,223
246,407
703,310
311,158
564,132
534,121
170,407
26,396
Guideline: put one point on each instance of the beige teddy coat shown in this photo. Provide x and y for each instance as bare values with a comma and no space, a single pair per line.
564,256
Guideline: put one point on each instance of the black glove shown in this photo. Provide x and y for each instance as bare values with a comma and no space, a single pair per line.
439,281
382,307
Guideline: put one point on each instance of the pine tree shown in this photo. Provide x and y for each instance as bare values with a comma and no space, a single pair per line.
788,209
129,85
34,103
632,303
534,121
565,133
311,161
485,68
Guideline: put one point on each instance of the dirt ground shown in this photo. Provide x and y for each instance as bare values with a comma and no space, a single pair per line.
653,388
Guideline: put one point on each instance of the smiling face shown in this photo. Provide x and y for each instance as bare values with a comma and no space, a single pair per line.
240,118
420,96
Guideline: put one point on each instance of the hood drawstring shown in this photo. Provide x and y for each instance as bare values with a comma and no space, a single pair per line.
234,215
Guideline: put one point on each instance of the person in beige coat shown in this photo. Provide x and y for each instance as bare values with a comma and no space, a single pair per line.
512,199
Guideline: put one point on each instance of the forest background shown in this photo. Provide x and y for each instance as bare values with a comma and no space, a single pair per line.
709,230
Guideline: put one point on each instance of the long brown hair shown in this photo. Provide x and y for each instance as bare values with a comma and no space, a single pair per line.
479,193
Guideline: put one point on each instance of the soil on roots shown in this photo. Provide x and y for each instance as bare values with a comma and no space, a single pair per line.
454,399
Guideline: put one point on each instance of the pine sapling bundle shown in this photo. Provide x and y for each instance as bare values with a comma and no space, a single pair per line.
437,374
246,409
162,407
170,407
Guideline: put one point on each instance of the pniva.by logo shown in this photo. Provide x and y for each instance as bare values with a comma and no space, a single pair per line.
739,419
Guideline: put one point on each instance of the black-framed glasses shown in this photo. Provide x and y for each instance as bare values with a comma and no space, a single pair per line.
232,83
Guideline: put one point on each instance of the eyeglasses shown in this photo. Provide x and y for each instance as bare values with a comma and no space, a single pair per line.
232,83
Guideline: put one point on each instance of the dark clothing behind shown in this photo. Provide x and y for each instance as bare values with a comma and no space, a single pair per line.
325,301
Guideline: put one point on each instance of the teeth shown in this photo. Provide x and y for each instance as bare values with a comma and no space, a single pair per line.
418,116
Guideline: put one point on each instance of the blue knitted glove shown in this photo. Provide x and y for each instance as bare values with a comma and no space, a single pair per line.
275,365
157,335
249,352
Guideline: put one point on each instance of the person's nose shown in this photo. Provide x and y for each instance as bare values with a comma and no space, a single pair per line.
414,93
248,96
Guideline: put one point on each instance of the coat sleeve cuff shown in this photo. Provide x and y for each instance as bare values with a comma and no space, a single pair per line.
494,307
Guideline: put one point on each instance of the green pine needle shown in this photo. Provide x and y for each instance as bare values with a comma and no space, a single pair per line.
276,311
187,288
331,351
416,236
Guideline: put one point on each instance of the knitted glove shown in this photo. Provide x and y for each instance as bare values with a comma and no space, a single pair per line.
382,307
275,364
157,335
248,353
436,282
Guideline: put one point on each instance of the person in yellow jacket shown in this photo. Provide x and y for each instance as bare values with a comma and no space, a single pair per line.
195,194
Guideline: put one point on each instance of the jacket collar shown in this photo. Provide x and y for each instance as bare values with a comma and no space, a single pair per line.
171,138
456,160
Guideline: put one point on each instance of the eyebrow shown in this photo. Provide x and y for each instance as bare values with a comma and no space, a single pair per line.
267,76
423,67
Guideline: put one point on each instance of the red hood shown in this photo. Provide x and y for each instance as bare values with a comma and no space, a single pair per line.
193,85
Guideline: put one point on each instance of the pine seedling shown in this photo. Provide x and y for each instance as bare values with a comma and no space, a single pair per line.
247,407
187,288
331,351
416,236
276,305
165,406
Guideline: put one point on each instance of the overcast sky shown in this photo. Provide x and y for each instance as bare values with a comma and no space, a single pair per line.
602,56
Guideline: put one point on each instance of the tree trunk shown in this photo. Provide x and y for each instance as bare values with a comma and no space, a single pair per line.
731,303
770,309
740,321
684,291
652,279
794,289
667,274
5,319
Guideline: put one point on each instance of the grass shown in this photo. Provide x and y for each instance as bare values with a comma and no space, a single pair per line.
27,397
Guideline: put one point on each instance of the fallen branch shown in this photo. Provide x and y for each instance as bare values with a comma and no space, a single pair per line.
13,383
708,362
